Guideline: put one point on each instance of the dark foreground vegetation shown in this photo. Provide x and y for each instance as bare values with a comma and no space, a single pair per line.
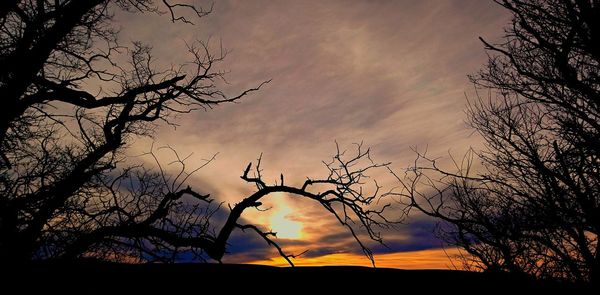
99,277
67,187
528,202
75,98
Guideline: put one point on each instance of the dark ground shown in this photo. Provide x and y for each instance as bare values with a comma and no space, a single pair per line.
107,278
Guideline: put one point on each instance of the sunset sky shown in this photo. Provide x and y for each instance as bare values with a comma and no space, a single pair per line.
390,73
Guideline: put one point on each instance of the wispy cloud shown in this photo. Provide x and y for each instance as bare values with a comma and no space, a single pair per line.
391,73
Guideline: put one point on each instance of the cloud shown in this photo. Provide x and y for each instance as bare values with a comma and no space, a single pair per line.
391,73
422,259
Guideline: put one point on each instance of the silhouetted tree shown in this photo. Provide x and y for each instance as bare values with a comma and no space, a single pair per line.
71,105
531,203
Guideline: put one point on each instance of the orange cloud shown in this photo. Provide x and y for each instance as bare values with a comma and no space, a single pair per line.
389,73
423,259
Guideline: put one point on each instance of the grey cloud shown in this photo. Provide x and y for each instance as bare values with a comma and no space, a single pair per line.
392,73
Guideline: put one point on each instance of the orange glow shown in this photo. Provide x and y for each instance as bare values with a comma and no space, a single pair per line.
424,259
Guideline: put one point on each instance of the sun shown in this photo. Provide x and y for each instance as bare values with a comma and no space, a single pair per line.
283,226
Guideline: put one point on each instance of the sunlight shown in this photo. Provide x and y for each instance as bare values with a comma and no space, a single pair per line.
420,259
283,226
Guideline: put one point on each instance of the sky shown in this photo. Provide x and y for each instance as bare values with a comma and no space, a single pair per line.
391,74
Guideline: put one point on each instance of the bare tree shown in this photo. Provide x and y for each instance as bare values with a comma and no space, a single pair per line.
533,206
71,107
341,193
145,215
